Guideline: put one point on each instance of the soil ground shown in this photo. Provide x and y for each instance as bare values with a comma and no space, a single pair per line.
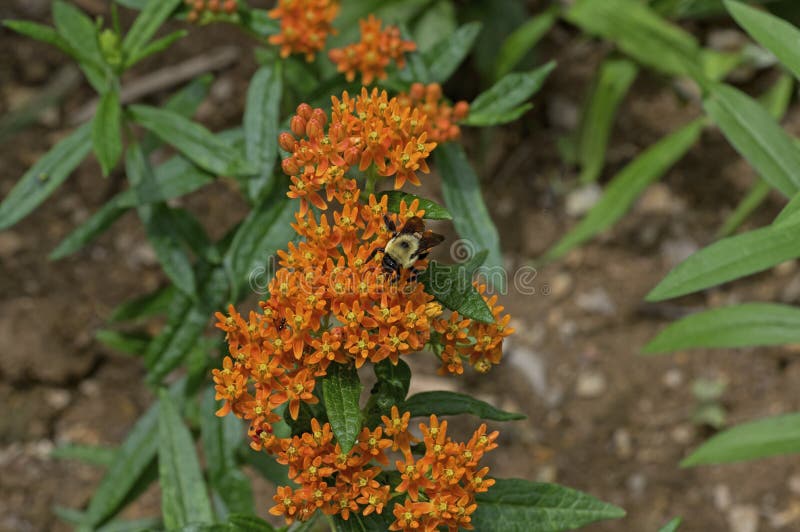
601,417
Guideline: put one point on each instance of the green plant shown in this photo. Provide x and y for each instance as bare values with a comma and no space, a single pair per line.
317,351
753,131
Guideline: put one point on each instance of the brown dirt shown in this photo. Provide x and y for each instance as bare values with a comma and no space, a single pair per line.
601,418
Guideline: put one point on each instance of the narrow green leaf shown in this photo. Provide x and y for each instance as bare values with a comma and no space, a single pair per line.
261,118
390,390
129,343
191,232
748,324
445,56
464,200
758,193
132,525
132,459
90,454
776,35
639,32
731,258
259,22
183,493
749,441
185,324
79,31
221,438
39,32
451,403
107,132
522,40
193,140
341,390
160,225
506,95
756,136
265,230
614,78
496,119
438,21
44,177
159,45
451,285
515,505
184,102
433,211
672,526
151,18
628,185
360,523
152,304
248,523
267,467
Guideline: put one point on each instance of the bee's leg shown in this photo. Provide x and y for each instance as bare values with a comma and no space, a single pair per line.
375,252
414,274
389,224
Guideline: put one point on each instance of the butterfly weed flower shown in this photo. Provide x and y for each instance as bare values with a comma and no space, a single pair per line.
205,11
305,26
375,51
442,118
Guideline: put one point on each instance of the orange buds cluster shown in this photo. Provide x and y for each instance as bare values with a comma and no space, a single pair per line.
442,123
440,485
198,7
305,26
368,129
373,53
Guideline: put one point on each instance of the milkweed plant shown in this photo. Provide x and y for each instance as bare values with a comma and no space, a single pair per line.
344,116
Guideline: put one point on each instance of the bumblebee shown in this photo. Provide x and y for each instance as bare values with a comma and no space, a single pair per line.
406,246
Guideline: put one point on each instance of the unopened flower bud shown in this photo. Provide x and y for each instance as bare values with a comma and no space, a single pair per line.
286,141
305,110
314,128
290,166
298,125
320,116
351,155
433,91
230,6
417,91
461,110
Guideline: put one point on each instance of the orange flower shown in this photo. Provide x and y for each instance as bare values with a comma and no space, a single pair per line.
442,123
373,53
208,10
305,26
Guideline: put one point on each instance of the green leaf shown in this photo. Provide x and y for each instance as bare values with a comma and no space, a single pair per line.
748,324
221,438
433,211
389,390
130,343
639,32
39,32
185,324
159,45
90,454
44,177
146,25
749,441
495,119
184,102
79,31
248,523
756,136
132,525
265,230
776,35
505,95
152,304
107,132
174,178
259,22
758,193
193,140
672,526
464,200
424,404
515,505
437,22
445,56
731,258
267,467
341,390
613,80
132,459
160,224
452,286
628,185
522,40
261,118
191,232
183,493
360,523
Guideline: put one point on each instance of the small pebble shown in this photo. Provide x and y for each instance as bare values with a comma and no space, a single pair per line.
580,200
590,384
743,518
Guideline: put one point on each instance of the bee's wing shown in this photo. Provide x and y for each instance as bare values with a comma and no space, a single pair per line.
430,239
413,225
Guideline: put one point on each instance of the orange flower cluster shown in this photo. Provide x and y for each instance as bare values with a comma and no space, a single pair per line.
373,53
368,129
441,125
198,7
305,25
440,485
